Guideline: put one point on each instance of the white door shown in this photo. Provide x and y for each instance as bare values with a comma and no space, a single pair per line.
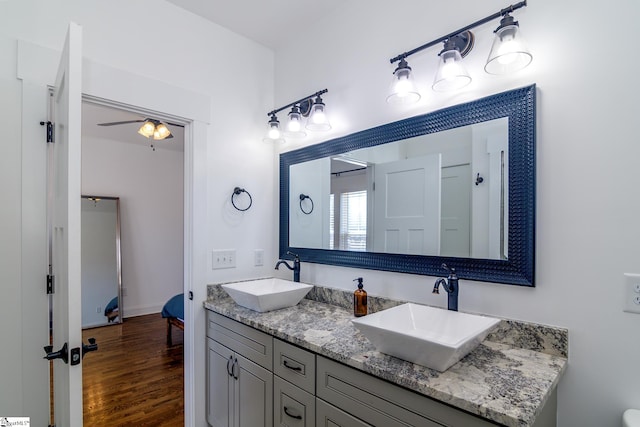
63,211
455,230
407,206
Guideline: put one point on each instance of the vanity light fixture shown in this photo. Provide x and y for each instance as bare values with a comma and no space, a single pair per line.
311,106
508,54
273,133
452,74
403,89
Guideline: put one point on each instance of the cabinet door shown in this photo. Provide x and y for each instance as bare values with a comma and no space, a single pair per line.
253,394
330,416
220,385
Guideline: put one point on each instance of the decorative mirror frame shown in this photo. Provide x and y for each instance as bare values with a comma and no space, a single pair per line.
519,105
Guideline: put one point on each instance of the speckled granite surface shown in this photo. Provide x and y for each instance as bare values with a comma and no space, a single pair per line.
507,379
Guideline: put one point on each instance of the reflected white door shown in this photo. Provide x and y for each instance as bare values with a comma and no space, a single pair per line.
455,230
63,209
407,206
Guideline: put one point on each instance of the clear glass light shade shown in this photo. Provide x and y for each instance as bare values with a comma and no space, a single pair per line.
452,74
294,125
509,52
161,132
273,132
147,129
318,120
403,89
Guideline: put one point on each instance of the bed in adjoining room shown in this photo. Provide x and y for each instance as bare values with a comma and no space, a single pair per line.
173,311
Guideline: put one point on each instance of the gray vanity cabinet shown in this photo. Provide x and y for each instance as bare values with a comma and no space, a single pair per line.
330,416
375,402
239,377
293,386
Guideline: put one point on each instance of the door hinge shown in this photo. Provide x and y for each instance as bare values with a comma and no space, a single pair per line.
51,281
50,135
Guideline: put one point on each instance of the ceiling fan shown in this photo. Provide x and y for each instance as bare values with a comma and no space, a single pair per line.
150,127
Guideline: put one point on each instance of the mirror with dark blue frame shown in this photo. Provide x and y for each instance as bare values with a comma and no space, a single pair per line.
506,256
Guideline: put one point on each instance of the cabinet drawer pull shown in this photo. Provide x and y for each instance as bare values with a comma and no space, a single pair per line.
293,368
233,368
229,368
297,417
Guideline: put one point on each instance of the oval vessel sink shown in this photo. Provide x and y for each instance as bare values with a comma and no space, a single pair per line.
427,336
267,294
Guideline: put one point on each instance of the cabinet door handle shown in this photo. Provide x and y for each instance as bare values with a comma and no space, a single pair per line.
229,368
297,417
233,368
293,368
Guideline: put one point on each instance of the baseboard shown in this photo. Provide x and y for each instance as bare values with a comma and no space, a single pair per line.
141,311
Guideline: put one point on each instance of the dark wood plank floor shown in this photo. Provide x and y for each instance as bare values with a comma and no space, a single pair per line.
134,379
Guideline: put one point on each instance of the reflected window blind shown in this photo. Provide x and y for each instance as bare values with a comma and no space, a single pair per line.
331,221
353,221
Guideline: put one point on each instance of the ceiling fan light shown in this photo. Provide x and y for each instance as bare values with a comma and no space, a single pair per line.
161,132
147,129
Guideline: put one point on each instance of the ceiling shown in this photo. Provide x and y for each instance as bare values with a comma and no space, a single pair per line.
270,23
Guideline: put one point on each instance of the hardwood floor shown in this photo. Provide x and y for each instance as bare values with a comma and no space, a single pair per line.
134,379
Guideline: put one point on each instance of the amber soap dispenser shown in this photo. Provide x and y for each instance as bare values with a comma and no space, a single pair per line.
359,300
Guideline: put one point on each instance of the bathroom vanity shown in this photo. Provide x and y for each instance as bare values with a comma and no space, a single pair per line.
307,365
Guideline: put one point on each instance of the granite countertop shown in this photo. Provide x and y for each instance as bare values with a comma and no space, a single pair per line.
506,379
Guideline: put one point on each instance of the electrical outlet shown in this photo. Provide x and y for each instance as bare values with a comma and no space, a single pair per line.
223,259
258,256
98,309
124,292
632,293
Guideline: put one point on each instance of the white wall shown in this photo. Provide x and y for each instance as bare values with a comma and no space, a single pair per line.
587,151
150,186
202,58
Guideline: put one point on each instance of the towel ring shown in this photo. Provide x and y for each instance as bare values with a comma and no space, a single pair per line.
237,191
302,198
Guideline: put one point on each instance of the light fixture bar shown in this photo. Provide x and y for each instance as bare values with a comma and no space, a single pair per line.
323,91
502,12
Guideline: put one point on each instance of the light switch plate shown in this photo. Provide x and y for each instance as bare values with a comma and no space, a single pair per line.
258,257
631,293
223,259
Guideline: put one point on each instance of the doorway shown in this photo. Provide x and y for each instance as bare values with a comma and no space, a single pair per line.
147,176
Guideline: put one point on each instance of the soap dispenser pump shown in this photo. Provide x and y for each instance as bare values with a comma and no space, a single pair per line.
359,300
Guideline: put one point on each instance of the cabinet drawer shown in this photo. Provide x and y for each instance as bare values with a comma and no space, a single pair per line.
244,340
383,404
296,365
330,416
292,406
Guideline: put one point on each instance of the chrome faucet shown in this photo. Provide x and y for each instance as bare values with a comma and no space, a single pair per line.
295,268
450,284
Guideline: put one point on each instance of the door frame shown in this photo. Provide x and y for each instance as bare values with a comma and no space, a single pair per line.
37,67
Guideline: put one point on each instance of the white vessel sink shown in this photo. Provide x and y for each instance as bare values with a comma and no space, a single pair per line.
267,294
427,336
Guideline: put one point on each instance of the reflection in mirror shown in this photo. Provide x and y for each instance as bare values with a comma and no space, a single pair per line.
454,186
101,272
444,193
